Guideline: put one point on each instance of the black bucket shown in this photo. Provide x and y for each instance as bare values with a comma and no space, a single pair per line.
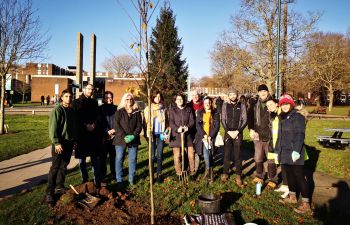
209,203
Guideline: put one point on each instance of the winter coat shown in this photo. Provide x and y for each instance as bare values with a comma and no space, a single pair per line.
259,119
291,135
62,125
107,112
127,124
214,129
180,117
89,125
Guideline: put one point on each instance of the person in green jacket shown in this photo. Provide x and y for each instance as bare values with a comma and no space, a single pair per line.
62,133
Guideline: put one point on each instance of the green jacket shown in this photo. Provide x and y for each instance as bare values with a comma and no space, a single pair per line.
62,125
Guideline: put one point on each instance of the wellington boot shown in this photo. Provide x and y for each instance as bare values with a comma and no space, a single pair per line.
290,199
303,208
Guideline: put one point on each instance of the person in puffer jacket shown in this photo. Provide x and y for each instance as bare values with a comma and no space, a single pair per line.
291,152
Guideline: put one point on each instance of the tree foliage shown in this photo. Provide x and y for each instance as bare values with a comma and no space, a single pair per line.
20,40
167,67
120,65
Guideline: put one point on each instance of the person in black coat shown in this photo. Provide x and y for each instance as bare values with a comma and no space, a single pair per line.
128,126
291,152
181,121
89,133
108,111
208,125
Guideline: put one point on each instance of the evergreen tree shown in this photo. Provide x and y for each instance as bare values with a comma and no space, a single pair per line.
166,65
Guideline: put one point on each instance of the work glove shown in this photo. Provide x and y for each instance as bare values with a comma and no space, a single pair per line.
180,129
252,134
295,156
233,134
129,138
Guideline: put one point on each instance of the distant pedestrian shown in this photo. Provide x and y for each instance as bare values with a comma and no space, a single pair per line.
63,136
42,98
48,100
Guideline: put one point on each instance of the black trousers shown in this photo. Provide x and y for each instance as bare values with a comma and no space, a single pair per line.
108,149
58,169
296,179
233,147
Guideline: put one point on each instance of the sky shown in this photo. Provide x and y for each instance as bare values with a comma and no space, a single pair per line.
199,22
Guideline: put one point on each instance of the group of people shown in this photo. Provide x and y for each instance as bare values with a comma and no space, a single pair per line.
276,128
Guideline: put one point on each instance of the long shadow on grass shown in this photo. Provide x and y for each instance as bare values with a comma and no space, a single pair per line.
337,211
24,165
310,167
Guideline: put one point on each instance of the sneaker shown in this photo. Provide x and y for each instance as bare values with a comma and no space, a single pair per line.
224,178
303,208
285,194
272,185
283,188
290,199
257,180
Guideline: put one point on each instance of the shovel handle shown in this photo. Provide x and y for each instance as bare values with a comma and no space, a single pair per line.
71,186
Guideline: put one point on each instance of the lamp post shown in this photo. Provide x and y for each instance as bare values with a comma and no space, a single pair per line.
278,77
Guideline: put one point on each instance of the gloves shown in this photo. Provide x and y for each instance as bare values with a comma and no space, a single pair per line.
179,130
295,156
129,138
252,134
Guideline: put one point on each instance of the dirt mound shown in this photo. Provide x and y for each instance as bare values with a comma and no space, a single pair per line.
113,208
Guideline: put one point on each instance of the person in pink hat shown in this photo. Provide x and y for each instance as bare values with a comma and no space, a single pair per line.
291,153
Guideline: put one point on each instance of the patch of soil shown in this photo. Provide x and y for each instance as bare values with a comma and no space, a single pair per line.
113,208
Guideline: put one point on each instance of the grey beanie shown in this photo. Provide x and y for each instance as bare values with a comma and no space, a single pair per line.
232,90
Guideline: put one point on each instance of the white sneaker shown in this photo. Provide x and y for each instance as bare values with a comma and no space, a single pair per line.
285,194
283,188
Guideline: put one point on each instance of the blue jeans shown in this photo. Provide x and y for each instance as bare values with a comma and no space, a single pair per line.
157,142
96,168
208,157
119,159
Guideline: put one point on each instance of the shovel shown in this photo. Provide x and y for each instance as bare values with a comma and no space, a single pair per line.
183,177
86,199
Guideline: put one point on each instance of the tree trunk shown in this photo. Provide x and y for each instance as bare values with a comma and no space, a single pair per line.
331,97
23,95
2,104
284,49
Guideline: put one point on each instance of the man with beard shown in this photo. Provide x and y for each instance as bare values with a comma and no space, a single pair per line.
259,132
234,120
90,133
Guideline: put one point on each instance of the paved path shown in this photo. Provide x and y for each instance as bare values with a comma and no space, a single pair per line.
26,171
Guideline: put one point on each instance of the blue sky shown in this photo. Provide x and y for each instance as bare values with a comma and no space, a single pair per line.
199,23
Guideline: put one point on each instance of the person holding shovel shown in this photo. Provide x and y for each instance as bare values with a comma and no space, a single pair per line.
208,125
63,136
181,121
128,126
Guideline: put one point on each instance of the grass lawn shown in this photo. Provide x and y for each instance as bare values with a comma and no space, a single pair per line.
170,197
27,133
337,110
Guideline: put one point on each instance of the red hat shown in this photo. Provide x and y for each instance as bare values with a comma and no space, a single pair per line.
286,99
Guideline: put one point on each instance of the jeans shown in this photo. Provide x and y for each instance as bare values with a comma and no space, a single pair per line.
119,159
157,142
108,149
233,147
208,157
96,168
58,169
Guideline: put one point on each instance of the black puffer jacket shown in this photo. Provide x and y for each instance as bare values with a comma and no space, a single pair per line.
127,124
108,112
291,135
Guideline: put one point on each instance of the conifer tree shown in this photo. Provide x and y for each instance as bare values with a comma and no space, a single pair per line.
165,56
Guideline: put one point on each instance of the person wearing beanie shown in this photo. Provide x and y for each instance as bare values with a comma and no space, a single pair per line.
291,153
259,132
234,120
